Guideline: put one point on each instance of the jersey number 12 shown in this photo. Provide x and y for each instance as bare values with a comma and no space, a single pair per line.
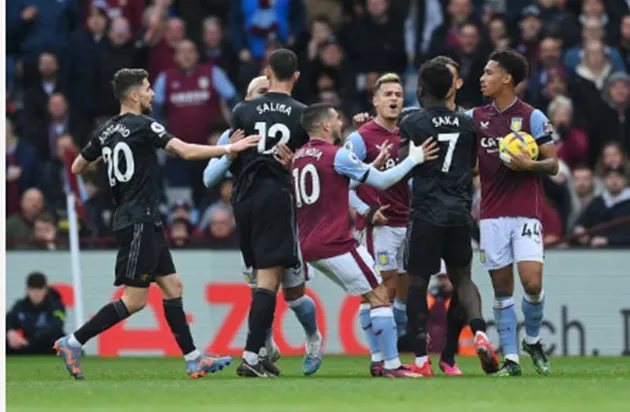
273,132
113,166
451,138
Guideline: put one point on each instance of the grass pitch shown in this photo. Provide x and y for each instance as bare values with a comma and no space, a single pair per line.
599,384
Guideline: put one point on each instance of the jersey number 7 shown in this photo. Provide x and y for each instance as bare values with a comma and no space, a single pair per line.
273,132
451,138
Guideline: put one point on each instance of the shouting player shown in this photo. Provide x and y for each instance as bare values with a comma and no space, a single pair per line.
384,213
441,224
127,143
302,305
511,206
263,204
321,175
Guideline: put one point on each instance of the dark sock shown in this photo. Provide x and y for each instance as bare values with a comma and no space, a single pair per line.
477,325
418,313
176,318
260,319
105,318
454,325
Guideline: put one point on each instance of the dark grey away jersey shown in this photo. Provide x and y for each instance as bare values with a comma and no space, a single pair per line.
442,188
276,118
128,144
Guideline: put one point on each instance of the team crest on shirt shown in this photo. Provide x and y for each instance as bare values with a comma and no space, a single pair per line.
383,258
204,82
482,256
517,124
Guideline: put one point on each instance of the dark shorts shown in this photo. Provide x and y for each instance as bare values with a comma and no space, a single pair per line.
266,226
428,243
143,255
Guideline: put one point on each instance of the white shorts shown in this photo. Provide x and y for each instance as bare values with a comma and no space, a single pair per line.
387,245
354,271
506,240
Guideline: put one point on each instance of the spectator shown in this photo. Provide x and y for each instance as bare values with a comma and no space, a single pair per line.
36,321
23,168
382,45
624,42
224,202
559,22
552,223
498,33
555,86
550,61
319,32
595,9
254,68
180,233
161,52
121,51
584,185
60,123
38,93
42,25
45,230
130,10
592,29
86,47
189,98
220,234
612,204
364,101
195,12
252,22
20,226
472,55
181,210
446,36
610,122
528,42
97,206
612,157
571,142
216,50
53,178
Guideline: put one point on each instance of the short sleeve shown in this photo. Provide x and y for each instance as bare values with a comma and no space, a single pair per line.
540,127
356,144
158,135
92,150
469,113
225,138
348,164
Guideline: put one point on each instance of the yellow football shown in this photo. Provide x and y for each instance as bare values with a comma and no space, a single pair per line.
515,142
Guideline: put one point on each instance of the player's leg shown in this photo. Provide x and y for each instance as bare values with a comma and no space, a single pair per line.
496,256
455,322
422,260
386,251
402,282
131,267
273,353
528,253
457,253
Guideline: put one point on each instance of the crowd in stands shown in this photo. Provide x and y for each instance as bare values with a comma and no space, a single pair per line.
61,56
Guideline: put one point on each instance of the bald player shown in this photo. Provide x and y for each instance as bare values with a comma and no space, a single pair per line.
303,306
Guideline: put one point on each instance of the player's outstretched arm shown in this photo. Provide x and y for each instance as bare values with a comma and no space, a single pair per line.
190,151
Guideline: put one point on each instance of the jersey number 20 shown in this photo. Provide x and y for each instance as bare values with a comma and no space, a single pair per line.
111,158
299,181
273,132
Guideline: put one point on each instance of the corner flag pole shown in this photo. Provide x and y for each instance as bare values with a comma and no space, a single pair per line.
75,260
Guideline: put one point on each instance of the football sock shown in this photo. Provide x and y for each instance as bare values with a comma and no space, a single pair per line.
366,324
418,313
505,318
477,325
260,319
105,318
455,322
304,309
533,308
421,360
385,331
176,318
400,316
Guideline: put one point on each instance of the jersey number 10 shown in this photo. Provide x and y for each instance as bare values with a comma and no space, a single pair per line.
113,166
273,132
299,182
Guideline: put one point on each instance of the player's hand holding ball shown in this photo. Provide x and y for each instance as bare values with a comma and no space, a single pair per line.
427,151
518,150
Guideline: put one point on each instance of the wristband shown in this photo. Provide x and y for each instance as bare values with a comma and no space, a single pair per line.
228,149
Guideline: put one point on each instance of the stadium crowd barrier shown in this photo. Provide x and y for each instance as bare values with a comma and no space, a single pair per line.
587,308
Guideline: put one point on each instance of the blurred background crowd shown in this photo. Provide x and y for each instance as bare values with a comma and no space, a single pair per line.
201,54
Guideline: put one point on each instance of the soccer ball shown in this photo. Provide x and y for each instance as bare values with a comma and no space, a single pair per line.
516,142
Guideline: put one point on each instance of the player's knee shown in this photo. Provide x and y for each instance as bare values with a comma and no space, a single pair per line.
172,287
291,294
135,301
532,287
377,297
